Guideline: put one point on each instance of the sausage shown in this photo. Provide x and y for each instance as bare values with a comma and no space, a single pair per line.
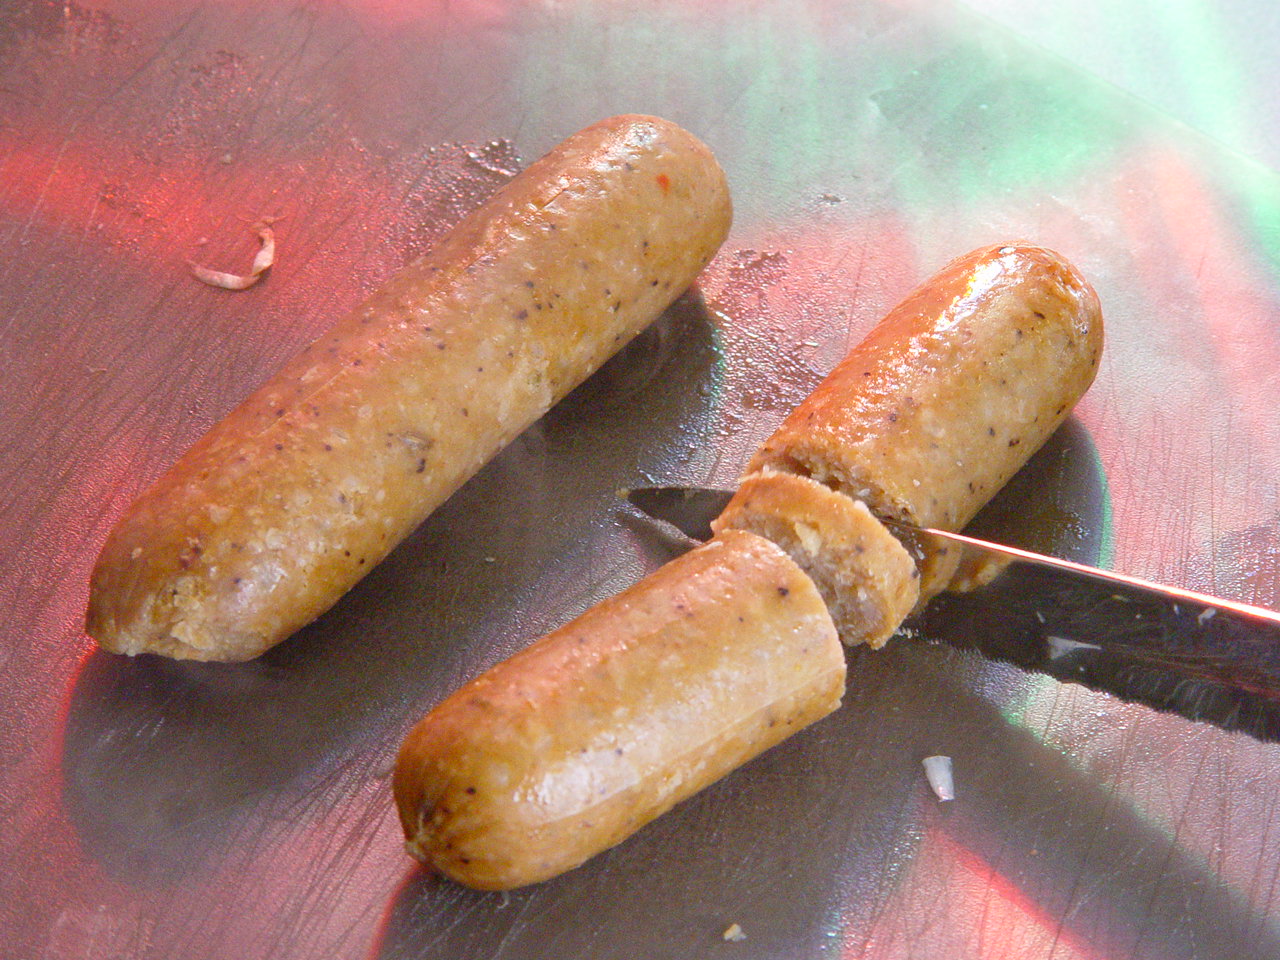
923,421
867,578
580,739
952,391
949,395
285,504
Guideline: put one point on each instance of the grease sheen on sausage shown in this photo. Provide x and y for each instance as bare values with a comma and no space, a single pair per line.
577,741
284,505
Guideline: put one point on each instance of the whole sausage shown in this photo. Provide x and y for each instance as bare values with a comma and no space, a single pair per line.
923,421
582,738
284,505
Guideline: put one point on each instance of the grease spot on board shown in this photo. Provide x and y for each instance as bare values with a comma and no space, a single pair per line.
496,156
751,271
457,178
789,378
775,366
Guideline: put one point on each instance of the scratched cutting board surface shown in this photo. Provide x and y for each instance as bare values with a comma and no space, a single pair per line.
152,809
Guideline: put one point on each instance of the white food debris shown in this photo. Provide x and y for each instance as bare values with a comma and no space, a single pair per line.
1206,615
1062,646
938,771
262,262
734,933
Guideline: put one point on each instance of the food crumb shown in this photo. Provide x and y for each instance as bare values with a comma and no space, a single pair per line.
734,933
1060,647
938,771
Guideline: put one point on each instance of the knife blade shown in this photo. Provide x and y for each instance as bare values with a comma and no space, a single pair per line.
1202,657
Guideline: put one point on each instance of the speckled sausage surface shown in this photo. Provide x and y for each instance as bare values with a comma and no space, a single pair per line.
576,742
952,391
290,500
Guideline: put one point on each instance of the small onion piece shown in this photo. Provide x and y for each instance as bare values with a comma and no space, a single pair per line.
262,262
938,771
1060,647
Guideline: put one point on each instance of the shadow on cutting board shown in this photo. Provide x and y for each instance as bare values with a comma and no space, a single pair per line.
805,846
810,846
164,761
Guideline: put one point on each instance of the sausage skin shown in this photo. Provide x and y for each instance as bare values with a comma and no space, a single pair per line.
952,392
284,505
577,741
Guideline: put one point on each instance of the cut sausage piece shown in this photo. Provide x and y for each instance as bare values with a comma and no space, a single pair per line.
865,575
284,505
951,393
576,742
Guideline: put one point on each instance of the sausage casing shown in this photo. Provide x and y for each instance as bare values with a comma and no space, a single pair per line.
285,504
577,741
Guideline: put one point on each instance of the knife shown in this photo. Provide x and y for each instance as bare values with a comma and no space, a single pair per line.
1202,657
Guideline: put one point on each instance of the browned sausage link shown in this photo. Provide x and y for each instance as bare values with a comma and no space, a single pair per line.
289,501
576,742
950,393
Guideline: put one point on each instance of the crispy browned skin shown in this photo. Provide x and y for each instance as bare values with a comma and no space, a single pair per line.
866,577
573,744
290,500
952,391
